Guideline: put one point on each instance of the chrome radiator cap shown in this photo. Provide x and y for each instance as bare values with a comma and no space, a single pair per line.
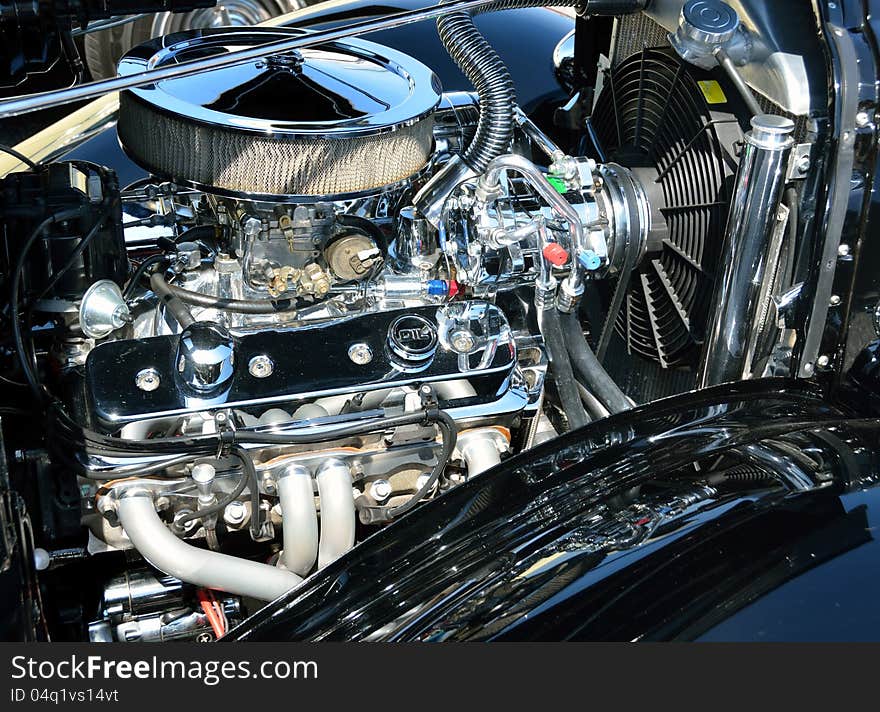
337,120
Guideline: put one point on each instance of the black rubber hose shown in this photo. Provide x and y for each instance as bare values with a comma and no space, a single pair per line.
82,438
450,437
560,369
173,303
247,468
19,156
480,63
449,431
595,376
140,272
241,306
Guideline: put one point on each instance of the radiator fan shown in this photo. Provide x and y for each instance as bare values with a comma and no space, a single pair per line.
653,114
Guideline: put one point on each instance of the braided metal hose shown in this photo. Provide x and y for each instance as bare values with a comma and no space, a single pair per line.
483,67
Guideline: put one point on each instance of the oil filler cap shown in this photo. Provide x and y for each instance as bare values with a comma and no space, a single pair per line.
412,340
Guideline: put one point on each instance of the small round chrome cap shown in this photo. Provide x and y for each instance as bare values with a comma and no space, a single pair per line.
710,22
770,132
412,339
205,357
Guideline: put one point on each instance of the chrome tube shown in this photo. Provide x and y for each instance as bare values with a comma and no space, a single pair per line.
299,519
535,135
155,542
573,285
753,215
337,511
44,100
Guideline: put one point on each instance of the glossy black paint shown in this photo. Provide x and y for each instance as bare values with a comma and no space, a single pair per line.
524,38
609,533
844,282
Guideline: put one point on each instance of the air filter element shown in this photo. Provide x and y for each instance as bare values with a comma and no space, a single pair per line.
336,120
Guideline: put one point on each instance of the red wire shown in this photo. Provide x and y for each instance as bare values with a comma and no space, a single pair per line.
206,599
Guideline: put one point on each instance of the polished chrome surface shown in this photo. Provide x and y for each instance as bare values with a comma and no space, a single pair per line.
748,236
320,123
338,88
103,310
416,245
205,358
35,102
781,60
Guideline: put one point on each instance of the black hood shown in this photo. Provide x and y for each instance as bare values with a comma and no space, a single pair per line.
740,512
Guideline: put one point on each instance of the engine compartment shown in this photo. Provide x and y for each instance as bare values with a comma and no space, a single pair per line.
342,291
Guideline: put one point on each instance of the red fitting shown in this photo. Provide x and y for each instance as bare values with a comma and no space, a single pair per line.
555,254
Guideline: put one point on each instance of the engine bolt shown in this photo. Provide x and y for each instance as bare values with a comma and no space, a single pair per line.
834,301
862,119
235,514
360,353
261,366
843,251
147,379
380,490
823,361
803,165
462,341
268,484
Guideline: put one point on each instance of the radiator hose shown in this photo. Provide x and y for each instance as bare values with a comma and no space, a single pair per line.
561,371
480,63
588,367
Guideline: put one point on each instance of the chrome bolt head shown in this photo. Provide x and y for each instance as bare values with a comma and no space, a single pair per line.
148,379
360,353
462,341
261,366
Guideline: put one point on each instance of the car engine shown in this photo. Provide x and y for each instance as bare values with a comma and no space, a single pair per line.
341,290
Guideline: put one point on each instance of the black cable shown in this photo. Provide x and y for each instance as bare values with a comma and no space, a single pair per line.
219,506
23,355
138,274
560,370
150,468
19,156
241,306
596,378
77,252
370,426
172,302
82,438
449,434
450,437
251,473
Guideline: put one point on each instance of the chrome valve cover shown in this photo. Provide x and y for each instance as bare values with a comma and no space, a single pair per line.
461,341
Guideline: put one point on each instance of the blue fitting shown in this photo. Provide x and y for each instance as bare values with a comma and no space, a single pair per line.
589,260
437,287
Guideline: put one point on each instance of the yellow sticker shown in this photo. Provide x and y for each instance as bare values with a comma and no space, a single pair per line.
713,92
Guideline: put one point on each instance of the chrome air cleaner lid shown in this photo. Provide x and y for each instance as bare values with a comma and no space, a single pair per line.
341,118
